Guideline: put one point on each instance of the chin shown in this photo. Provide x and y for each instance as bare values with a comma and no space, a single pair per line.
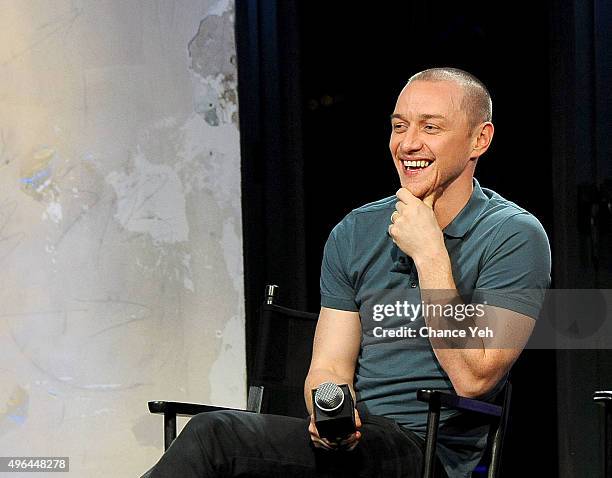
416,190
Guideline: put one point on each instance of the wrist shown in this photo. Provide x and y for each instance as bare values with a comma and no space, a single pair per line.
433,258
435,271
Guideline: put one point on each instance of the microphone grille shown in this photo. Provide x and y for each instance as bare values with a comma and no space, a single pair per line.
329,396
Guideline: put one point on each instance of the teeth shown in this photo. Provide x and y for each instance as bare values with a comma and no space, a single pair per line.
416,164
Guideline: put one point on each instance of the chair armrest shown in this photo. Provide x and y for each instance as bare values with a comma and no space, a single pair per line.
451,400
182,409
170,410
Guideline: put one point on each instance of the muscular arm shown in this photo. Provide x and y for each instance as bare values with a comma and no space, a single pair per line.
335,350
475,370
475,367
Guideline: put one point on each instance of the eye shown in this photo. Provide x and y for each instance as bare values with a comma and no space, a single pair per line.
398,127
431,128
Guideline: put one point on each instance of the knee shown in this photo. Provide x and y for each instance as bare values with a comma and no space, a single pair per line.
212,422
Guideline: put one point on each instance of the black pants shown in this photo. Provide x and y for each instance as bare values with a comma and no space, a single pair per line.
242,444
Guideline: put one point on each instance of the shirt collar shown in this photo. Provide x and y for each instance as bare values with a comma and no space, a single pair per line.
463,221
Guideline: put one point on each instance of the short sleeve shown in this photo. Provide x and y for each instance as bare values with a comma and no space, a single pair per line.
337,288
515,269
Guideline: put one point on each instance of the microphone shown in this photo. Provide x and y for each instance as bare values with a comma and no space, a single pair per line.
334,410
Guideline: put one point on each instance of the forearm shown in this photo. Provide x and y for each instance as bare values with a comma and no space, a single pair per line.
464,359
318,376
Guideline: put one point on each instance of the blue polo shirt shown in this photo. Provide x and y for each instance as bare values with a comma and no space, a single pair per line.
494,246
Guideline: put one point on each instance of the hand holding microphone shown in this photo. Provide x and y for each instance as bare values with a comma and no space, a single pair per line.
335,421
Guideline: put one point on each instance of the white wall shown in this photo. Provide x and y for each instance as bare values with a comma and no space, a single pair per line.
121,275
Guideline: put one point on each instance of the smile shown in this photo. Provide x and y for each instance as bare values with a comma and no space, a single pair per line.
416,165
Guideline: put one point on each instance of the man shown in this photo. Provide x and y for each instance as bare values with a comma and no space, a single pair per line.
391,271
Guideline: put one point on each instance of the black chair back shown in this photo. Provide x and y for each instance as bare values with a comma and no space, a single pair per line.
284,350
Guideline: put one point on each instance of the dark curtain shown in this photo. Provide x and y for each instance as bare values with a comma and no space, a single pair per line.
272,160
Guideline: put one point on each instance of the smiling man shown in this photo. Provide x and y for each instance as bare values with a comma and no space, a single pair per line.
441,242
435,287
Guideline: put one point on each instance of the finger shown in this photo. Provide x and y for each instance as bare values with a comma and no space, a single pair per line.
319,442
400,206
353,446
331,445
394,216
313,429
322,445
357,419
314,433
389,232
350,439
406,196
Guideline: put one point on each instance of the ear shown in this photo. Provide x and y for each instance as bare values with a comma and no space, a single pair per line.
483,135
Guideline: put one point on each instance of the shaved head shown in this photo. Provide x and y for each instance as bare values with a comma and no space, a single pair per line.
476,102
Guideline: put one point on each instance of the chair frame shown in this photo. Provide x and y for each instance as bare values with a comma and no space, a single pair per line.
438,399
170,410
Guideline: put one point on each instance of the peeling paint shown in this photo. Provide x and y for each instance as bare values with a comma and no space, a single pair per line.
53,212
206,161
212,48
215,99
36,173
215,72
220,7
150,200
16,408
127,145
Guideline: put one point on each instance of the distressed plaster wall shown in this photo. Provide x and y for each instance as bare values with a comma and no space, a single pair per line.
121,271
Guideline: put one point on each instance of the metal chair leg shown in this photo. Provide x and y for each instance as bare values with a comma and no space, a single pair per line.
169,429
433,419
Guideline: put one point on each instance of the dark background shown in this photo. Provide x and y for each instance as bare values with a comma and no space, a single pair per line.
317,83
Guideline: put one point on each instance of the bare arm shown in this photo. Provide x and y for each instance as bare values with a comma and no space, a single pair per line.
335,350
474,366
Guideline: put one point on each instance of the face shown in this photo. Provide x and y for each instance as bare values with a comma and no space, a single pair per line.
430,140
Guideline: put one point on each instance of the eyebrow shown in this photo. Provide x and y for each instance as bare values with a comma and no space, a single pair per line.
422,117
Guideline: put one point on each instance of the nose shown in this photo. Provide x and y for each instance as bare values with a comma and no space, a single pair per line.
411,141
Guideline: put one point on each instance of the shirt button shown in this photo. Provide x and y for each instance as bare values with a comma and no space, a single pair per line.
413,285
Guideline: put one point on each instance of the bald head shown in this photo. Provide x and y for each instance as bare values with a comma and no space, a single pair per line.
476,102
